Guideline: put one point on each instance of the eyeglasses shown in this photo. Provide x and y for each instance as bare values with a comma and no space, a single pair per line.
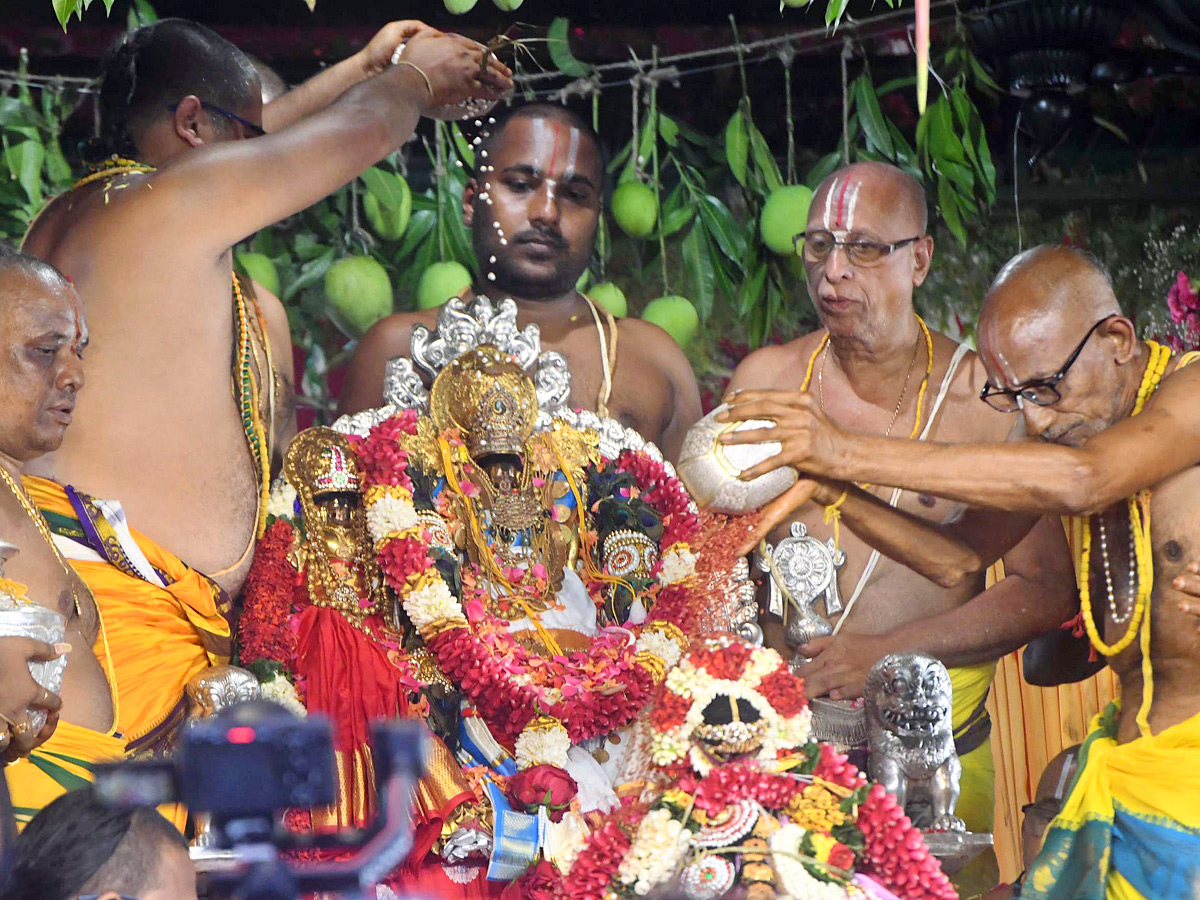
819,244
1040,391
255,130
98,896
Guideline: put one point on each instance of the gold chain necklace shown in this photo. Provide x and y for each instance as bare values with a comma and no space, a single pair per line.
903,391
39,521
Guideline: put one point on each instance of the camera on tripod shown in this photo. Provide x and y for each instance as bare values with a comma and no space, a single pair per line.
244,767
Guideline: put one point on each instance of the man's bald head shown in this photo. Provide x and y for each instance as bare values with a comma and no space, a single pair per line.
840,197
1045,304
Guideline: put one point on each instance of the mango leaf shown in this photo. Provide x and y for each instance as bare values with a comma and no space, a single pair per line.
737,146
948,204
825,167
419,226
750,292
14,114
698,261
943,142
982,78
58,170
619,160
871,116
668,130
722,227
465,151
310,273
25,161
559,45
677,219
764,160
895,84
63,10
424,201
383,187
960,175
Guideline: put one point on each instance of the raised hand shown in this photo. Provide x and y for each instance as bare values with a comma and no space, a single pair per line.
456,69
376,57
810,442
19,694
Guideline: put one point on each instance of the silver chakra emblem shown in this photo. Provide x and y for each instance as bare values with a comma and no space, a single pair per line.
803,569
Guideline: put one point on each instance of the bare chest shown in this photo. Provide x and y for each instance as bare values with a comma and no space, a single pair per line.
49,582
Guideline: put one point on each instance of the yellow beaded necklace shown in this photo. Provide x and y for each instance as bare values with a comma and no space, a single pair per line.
116,165
832,511
1139,526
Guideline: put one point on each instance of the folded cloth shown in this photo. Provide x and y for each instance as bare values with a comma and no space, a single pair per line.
61,764
165,621
1130,827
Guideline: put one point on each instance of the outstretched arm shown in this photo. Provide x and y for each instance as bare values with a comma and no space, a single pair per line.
221,193
945,554
1132,455
1036,596
329,84
686,409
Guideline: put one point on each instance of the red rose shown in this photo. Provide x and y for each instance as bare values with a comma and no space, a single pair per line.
541,881
542,785
841,857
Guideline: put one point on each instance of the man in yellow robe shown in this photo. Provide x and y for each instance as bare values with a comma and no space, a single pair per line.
42,339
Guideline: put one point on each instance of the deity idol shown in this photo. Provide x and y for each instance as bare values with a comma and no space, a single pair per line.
519,574
738,800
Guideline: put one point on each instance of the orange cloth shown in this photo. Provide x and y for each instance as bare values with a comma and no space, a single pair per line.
62,764
158,637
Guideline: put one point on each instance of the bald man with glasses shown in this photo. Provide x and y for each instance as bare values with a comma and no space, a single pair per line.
875,368
1113,442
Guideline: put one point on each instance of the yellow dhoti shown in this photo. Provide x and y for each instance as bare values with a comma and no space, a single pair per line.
977,800
62,764
165,621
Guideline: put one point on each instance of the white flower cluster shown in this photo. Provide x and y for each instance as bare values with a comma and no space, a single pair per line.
389,515
794,879
678,564
545,746
657,849
660,645
431,602
686,680
282,502
280,690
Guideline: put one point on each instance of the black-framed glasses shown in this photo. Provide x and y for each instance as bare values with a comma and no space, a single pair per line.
819,244
255,130
1040,391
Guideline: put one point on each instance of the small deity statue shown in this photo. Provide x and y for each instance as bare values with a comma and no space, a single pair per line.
518,574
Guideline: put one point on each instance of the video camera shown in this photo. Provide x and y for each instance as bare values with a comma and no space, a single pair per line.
245,766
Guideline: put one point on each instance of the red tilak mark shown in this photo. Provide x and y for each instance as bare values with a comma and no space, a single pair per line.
841,197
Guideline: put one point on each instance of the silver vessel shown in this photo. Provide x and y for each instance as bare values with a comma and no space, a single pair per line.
20,617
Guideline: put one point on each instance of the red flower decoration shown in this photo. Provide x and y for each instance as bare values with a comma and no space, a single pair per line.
542,785
842,857
541,881
784,691
381,459
264,631
727,663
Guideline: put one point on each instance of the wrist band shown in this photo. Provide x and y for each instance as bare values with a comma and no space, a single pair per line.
421,72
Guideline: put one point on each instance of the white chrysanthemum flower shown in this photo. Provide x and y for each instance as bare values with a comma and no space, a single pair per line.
280,690
682,679
666,748
762,663
546,746
388,515
658,847
678,564
282,502
660,645
431,602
